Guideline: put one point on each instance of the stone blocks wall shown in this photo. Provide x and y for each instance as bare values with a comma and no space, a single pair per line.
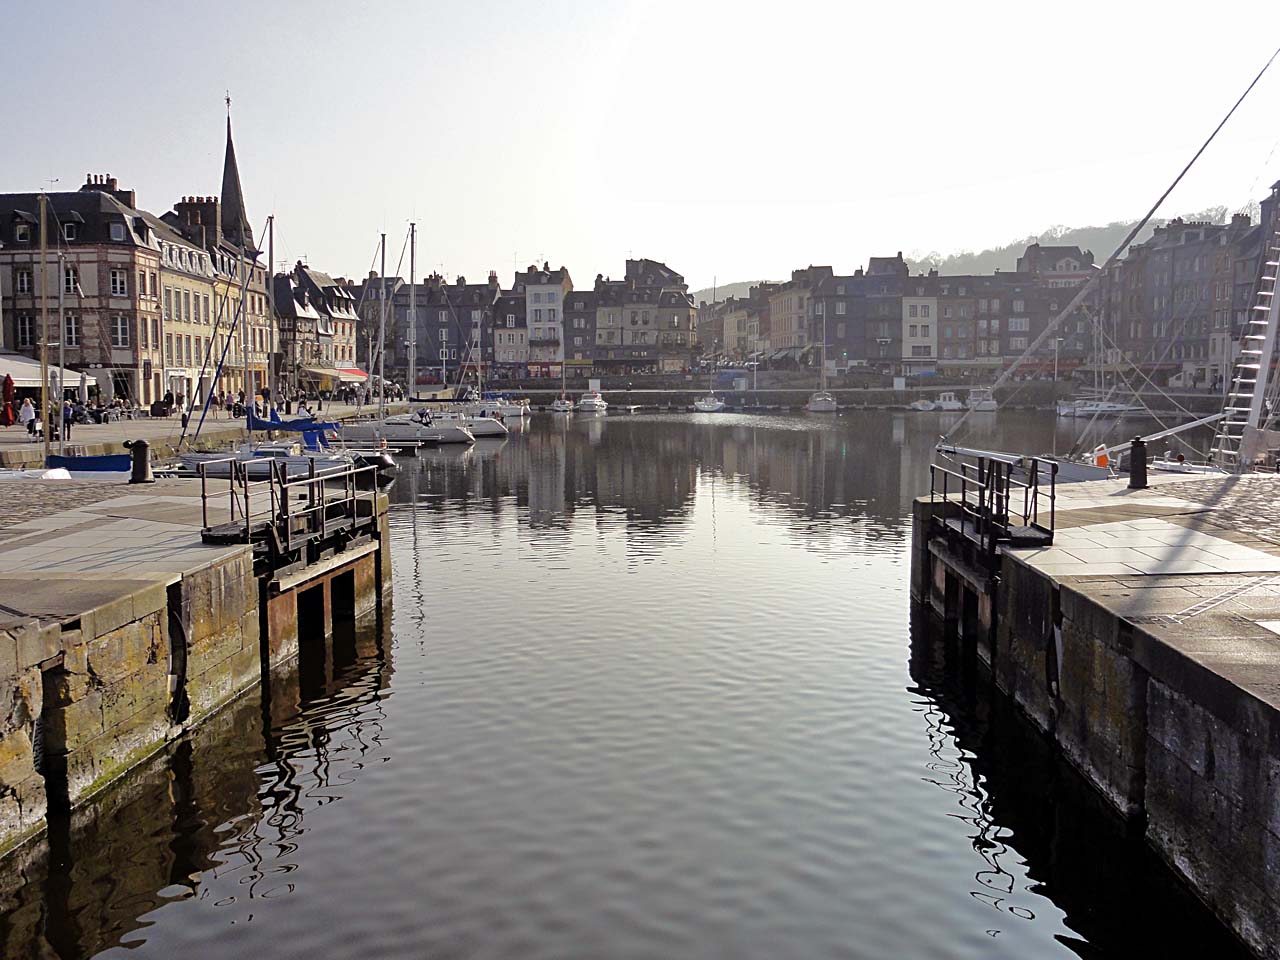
1025,656
219,619
1213,802
24,644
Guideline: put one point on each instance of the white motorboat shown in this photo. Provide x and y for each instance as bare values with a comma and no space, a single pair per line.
260,460
1097,408
561,405
980,400
708,404
923,405
822,402
592,402
948,401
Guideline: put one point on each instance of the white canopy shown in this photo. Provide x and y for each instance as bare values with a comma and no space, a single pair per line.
26,371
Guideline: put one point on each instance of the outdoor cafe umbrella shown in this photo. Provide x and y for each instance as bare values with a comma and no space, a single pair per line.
83,392
7,415
55,387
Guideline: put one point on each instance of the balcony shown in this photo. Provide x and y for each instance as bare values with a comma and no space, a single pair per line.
544,341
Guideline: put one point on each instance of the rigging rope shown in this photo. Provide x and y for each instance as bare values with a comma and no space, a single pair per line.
1124,244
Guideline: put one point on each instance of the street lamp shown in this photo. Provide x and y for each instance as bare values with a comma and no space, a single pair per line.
1056,342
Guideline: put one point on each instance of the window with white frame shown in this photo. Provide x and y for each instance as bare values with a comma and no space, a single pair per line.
117,231
1019,306
24,281
120,330
70,277
26,330
119,284
1019,324
70,231
1017,343
73,330
22,232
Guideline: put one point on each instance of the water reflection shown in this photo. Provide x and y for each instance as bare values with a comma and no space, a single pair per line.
654,695
215,819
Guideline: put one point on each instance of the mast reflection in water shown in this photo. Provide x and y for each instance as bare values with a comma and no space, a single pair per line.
656,694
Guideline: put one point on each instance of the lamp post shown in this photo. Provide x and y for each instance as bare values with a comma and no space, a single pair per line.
1056,342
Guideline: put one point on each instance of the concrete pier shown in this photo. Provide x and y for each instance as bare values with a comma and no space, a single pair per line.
120,628
1145,641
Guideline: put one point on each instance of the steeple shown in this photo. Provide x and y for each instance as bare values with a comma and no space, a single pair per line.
235,221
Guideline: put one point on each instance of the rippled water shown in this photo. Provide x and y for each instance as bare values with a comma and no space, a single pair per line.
651,688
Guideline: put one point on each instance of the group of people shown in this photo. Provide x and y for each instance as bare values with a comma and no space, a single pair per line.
73,412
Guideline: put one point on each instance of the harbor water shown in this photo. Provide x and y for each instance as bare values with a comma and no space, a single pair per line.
651,687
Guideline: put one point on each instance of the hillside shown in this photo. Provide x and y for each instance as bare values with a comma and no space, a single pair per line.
1101,240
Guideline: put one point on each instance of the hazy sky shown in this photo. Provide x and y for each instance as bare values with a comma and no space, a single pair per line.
735,140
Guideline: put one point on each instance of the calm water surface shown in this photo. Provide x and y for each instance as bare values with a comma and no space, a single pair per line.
651,688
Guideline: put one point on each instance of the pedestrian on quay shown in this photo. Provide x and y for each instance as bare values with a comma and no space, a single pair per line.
68,416
27,416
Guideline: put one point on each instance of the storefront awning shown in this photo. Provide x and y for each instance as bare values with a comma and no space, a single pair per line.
352,375
26,372
322,373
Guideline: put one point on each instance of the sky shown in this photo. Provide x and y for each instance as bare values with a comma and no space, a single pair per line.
732,141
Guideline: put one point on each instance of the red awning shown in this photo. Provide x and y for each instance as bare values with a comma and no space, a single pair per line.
352,375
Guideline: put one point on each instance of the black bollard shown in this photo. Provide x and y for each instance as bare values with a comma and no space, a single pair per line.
141,472
1138,464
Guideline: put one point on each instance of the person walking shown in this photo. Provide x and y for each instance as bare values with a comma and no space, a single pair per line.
27,416
68,415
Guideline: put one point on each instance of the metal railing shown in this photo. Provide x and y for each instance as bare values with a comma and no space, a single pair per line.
999,499
289,511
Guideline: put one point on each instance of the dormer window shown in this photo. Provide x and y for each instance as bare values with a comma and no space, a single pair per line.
70,231
22,232
117,231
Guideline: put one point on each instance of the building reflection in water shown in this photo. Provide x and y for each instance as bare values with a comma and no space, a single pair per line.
218,815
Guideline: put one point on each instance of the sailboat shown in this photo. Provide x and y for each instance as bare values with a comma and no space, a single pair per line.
822,401
710,403
562,403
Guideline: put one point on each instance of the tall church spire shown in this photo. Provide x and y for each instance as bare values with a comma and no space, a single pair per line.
235,221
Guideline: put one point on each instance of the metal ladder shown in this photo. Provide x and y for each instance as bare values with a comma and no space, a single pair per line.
1245,407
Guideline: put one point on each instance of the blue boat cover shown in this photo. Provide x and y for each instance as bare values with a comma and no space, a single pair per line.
106,463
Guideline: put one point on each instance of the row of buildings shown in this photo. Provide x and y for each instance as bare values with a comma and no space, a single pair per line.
644,322
1175,306
180,303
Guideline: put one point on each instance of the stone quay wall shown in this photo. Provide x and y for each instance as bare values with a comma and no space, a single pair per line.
1184,754
87,699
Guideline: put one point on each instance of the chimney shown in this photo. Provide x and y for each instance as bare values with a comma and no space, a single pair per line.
493,278
462,281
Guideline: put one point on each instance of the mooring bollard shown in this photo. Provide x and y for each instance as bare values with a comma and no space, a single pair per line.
141,466
1138,464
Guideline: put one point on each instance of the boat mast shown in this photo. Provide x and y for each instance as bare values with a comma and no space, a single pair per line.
271,306
413,311
382,331
823,380
44,327
62,364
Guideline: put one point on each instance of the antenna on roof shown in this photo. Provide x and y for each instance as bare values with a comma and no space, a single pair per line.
51,181
227,100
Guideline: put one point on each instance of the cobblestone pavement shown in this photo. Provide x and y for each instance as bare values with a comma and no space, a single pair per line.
1247,504
30,500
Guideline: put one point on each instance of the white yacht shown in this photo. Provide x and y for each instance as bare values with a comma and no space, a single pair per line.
924,405
561,405
592,402
822,401
708,404
947,401
407,427
980,400
1097,408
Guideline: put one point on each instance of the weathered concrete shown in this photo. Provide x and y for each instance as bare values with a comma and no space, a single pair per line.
1146,642
121,629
